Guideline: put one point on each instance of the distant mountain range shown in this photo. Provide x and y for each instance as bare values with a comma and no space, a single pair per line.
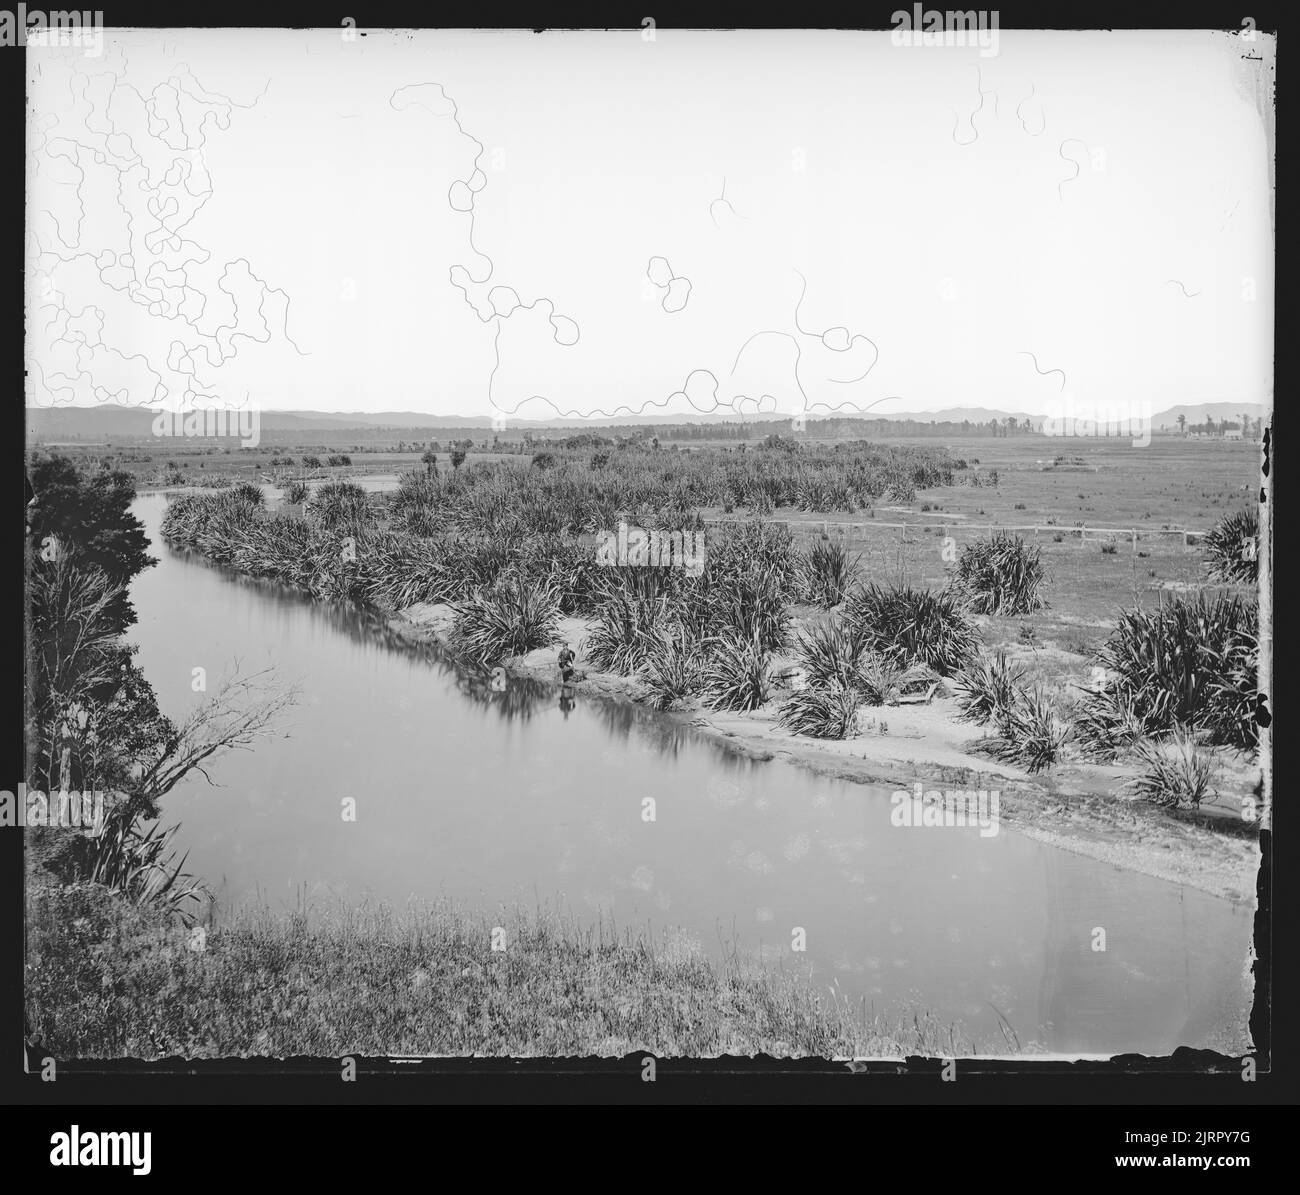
72,423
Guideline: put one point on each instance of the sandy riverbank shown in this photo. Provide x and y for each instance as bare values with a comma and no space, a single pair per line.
1075,806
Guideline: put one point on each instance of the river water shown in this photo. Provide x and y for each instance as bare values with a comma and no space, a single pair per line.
497,799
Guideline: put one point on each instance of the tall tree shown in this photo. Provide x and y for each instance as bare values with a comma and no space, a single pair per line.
88,513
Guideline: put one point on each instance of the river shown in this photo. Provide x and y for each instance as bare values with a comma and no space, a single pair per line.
494,799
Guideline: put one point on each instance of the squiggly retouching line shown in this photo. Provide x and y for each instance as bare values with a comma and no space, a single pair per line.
1078,167
1044,372
1042,126
722,199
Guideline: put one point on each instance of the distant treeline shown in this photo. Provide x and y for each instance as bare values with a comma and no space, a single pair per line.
766,430
845,429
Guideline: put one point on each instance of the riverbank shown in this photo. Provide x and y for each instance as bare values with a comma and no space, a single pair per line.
1081,806
109,979
1077,806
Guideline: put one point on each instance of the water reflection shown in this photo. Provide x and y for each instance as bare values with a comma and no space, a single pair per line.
518,699
489,796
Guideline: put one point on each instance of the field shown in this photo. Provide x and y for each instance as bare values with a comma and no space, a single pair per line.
497,559
1173,485
1169,486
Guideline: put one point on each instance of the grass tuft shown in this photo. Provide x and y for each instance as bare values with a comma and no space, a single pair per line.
1232,547
1176,772
829,712
913,626
1000,574
512,618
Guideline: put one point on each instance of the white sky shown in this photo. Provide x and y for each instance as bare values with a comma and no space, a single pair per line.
603,151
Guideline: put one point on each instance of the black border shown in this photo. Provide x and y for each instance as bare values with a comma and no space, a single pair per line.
1187,1078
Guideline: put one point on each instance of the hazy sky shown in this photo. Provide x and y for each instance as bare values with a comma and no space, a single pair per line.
282,217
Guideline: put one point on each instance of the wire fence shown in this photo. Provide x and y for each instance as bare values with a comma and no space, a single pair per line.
1084,534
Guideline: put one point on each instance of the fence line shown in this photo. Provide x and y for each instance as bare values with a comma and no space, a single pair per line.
1132,533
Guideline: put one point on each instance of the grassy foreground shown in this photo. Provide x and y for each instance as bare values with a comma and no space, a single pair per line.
107,978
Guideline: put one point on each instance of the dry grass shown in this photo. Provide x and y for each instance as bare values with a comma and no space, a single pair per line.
107,979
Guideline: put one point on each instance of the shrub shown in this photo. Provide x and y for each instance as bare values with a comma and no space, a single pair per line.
913,626
417,501
1029,733
1233,696
246,491
475,563
671,668
511,618
297,493
401,570
879,680
735,675
311,462
822,713
339,504
827,573
755,546
626,626
755,607
1107,730
279,547
831,653
1000,574
1189,663
1176,772
142,865
214,524
987,687
1232,546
